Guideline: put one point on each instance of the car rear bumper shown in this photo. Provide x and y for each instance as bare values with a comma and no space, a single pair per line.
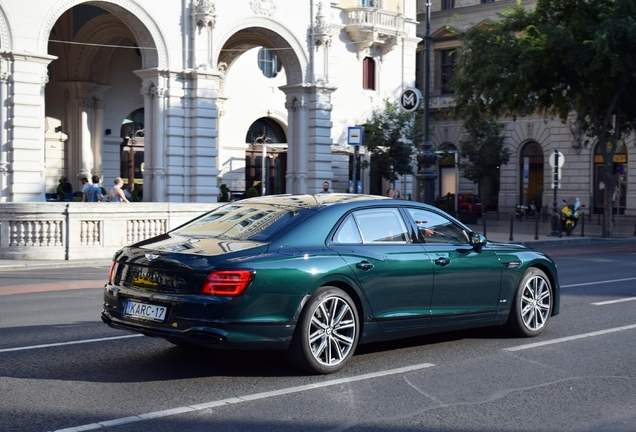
264,335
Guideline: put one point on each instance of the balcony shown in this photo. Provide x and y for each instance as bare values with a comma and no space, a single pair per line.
370,27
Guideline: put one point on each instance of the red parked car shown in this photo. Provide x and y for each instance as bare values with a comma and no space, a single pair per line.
466,202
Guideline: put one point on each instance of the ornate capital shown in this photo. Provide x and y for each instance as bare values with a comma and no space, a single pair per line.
4,76
296,103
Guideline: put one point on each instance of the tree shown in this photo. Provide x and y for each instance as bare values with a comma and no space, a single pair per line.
484,146
565,57
392,136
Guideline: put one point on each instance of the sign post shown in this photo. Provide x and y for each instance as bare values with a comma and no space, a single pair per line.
556,161
355,137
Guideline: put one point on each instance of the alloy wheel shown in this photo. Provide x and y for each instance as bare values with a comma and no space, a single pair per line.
332,331
536,301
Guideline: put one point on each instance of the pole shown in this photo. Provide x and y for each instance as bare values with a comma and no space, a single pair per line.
427,159
555,213
356,150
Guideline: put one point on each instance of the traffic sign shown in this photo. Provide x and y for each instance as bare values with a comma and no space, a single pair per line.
410,99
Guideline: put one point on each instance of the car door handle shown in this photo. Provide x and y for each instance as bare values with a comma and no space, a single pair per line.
364,265
442,261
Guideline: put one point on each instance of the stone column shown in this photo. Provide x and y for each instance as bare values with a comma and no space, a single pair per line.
297,139
27,172
98,121
147,92
159,151
319,149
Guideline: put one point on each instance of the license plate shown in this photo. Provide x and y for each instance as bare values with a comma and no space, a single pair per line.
145,311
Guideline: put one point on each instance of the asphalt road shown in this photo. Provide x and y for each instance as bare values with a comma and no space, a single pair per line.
62,369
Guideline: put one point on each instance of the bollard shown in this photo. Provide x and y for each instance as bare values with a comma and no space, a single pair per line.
583,225
484,222
536,228
512,221
598,221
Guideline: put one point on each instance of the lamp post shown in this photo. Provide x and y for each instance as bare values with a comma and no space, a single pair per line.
426,159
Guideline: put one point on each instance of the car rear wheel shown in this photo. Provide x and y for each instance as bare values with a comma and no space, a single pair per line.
327,332
532,305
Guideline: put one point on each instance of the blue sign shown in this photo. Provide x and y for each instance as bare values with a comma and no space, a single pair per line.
355,135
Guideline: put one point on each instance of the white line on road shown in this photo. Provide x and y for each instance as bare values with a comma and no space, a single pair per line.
603,303
569,338
246,398
67,343
599,282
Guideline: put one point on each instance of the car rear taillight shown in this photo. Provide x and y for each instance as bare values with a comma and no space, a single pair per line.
112,272
227,282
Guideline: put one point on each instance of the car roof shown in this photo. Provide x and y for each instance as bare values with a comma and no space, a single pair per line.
311,200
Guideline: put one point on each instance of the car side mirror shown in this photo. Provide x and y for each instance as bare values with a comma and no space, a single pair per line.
477,241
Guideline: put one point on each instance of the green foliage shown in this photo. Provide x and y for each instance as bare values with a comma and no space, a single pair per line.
392,136
559,58
483,147
252,192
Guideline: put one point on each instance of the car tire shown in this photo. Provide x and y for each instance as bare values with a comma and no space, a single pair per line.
532,305
326,334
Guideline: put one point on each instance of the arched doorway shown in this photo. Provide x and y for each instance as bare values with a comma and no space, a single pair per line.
616,184
531,174
266,153
89,89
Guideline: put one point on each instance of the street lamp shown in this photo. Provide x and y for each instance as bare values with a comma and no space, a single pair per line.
426,159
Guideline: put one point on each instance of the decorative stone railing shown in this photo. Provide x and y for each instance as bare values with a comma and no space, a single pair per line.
72,230
370,26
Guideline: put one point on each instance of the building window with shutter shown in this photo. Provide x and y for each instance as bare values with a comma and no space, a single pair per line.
368,74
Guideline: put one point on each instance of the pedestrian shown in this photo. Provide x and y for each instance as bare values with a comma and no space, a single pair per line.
93,192
325,187
127,194
116,194
389,193
397,194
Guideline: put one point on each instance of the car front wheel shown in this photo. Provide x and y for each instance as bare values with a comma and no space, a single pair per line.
326,335
532,305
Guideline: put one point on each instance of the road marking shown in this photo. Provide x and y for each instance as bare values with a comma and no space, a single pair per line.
68,343
603,303
599,282
246,398
569,338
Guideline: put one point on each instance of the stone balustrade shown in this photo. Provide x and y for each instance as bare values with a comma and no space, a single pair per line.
75,230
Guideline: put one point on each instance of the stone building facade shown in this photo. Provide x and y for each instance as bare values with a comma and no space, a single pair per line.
528,175
210,92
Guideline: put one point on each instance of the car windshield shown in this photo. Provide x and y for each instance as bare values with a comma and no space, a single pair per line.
250,221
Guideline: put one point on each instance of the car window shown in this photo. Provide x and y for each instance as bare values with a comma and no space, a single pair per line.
435,228
383,225
348,232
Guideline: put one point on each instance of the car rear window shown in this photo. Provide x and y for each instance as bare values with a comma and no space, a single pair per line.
257,222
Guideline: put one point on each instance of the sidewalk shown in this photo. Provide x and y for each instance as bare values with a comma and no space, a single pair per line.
523,232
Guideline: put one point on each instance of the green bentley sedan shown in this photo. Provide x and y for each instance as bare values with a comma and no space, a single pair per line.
317,275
